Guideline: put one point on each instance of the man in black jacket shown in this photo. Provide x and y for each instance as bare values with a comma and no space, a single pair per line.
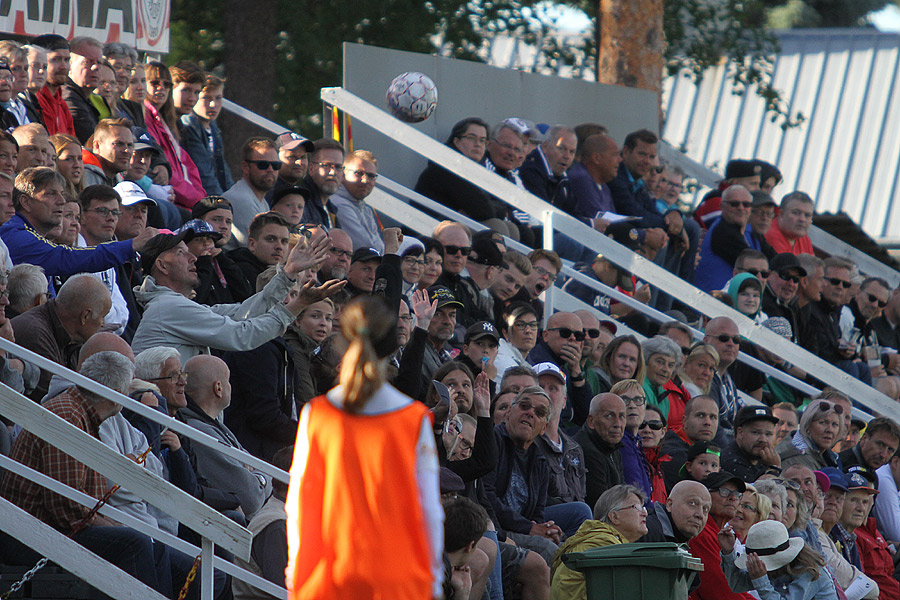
752,453
84,73
682,517
600,437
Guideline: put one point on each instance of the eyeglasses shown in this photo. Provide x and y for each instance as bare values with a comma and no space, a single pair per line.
262,165
339,253
540,411
565,332
475,139
726,493
633,400
543,272
177,375
739,204
874,300
161,82
457,250
105,212
788,484
592,333
791,278
510,147
653,425
838,282
757,273
406,318
725,338
749,507
326,166
412,261
637,507
826,406
362,174
529,325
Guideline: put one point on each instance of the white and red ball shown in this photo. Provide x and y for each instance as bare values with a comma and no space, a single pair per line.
412,97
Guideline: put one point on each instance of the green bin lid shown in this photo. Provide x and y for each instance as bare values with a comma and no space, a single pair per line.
665,555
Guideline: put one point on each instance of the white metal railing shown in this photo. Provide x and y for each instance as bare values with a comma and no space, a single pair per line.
213,527
568,225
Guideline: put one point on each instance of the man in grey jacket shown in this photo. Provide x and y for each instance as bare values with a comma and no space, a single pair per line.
172,319
209,393
354,215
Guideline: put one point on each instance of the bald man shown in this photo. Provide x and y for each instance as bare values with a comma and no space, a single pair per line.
561,344
600,438
208,394
56,329
682,517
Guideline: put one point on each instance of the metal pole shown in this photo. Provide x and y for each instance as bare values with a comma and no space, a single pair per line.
548,245
206,569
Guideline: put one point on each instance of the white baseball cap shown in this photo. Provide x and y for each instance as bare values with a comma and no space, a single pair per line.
131,193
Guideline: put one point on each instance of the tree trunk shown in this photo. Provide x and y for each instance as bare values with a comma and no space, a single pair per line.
251,34
632,44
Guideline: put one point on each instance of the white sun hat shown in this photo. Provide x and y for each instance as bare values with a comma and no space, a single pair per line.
770,541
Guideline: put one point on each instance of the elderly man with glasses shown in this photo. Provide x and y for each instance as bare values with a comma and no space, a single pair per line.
518,488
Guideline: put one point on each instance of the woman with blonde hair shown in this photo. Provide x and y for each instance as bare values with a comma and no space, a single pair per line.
69,162
364,517
698,368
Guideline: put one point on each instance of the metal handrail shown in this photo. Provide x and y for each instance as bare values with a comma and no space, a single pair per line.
568,225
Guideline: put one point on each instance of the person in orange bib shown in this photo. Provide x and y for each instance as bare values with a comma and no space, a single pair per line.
364,517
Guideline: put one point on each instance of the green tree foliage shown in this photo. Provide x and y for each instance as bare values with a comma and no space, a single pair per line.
822,13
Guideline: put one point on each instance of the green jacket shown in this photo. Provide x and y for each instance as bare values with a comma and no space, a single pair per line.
567,584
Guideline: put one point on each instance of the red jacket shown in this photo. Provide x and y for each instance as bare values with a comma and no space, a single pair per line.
678,398
657,482
781,244
55,112
876,560
713,585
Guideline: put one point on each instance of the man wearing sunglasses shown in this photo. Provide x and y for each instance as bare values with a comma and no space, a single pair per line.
790,231
724,336
561,344
866,306
822,333
259,169
780,292
727,237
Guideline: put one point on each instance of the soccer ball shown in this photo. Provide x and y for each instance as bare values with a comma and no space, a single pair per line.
412,97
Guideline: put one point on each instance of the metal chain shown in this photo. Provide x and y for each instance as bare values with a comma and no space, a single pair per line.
76,529
187,582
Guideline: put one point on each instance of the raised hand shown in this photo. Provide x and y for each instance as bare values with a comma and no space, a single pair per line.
312,255
482,394
311,293
423,308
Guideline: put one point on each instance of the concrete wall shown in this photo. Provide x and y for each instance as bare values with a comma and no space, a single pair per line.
468,88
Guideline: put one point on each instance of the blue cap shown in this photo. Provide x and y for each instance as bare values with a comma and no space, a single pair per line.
201,229
836,477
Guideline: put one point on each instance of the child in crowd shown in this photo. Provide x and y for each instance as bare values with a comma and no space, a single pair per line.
702,459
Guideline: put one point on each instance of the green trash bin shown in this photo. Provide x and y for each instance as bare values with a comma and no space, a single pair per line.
652,571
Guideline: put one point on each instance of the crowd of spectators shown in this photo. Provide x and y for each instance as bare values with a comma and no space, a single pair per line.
132,255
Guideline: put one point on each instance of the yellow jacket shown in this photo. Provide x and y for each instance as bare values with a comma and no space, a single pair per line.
567,584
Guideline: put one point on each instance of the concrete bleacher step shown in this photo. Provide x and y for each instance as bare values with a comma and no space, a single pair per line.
50,583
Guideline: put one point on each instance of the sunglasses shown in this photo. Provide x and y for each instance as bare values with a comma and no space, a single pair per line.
565,332
826,406
838,282
793,485
360,174
757,273
540,411
791,278
262,165
653,425
685,350
726,493
592,333
874,300
633,400
724,338
457,250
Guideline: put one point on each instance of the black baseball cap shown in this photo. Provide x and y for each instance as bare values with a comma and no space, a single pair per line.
444,296
365,254
485,252
160,243
748,414
714,481
287,191
482,329
209,204
785,262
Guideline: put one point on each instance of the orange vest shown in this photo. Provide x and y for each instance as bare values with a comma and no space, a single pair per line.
361,527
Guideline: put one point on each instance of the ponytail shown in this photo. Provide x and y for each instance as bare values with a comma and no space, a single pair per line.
370,327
